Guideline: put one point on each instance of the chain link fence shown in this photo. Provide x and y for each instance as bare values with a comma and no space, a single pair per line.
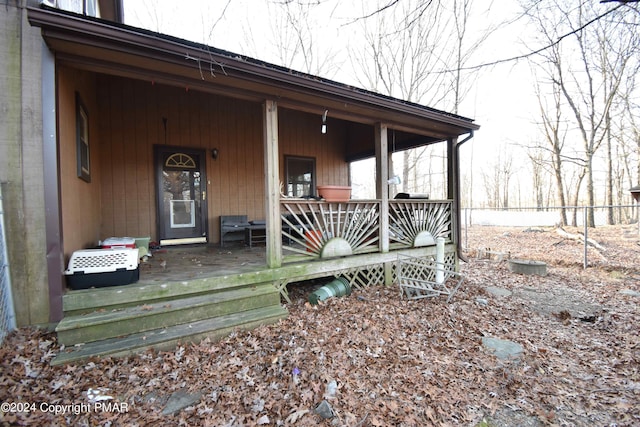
604,236
7,314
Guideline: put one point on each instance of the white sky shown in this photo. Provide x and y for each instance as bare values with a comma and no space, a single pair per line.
501,100
499,93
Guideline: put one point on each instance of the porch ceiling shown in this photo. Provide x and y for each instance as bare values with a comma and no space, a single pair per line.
110,48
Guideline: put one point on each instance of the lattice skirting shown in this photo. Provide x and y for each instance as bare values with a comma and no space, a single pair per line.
359,277
423,277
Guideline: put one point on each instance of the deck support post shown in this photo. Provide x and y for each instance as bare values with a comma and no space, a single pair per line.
272,185
51,171
453,187
382,193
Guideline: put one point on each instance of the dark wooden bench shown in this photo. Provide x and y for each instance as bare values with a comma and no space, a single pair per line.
232,227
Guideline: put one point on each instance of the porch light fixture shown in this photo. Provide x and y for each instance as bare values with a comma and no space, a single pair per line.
323,129
214,154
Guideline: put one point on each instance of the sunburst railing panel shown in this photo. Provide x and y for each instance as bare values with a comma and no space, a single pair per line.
414,223
324,230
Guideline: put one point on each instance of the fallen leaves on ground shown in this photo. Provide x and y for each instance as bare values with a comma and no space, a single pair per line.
393,361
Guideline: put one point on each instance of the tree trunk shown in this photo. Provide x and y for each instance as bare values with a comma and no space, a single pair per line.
610,181
576,195
557,172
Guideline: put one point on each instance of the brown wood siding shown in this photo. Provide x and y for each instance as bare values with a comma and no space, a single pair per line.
80,200
299,135
127,121
135,114
134,122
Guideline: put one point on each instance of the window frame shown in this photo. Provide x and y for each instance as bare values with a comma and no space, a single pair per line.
83,146
291,192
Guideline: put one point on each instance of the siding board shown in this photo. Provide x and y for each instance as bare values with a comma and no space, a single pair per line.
130,186
80,200
118,170
106,189
142,168
129,116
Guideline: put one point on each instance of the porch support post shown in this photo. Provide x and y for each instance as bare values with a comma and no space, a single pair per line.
382,193
55,256
382,189
453,188
272,184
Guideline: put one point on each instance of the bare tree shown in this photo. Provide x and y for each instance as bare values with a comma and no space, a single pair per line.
401,53
150,16
538,173
416,50
496,177
628,135
589,80
625,141
552,129
506,173
297,42
491,182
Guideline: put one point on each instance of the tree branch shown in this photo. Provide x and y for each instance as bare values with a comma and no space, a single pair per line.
542,49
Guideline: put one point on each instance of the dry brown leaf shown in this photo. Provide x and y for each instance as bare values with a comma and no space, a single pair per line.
296,415
425,364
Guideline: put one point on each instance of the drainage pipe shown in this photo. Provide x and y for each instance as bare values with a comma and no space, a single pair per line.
440,260
336,288
461,256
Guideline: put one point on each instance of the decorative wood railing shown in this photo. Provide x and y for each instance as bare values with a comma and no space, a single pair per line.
324,230
414,223
321,229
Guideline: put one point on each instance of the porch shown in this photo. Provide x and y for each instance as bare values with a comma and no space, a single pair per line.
186,293
143,143
334,236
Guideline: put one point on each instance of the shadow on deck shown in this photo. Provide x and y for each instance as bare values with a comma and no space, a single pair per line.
180,263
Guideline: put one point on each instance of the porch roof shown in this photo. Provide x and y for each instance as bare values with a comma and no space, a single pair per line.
112,48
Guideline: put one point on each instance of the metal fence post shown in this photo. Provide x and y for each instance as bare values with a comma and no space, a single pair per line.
586,261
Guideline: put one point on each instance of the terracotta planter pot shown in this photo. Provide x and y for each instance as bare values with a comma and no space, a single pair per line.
334,193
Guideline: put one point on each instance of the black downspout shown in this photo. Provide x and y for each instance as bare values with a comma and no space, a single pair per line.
461,256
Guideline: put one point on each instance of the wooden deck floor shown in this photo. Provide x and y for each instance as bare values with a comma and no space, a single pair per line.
177,263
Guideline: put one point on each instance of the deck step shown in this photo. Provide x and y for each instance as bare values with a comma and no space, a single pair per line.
114,297
165,338
100,325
